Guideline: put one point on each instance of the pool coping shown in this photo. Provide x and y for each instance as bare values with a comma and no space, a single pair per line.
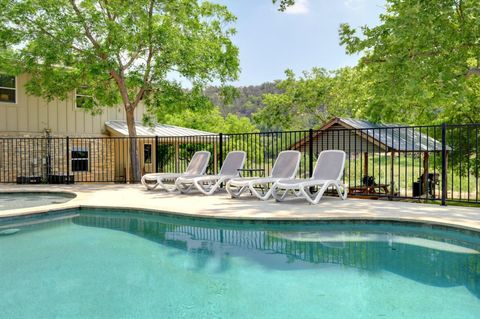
219,206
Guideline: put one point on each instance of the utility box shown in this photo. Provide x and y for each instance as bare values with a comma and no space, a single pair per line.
417,189
29,180
61,179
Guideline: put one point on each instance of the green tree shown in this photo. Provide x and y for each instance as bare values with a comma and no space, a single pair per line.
119,51
312,99
211,120
301,104
284,4
422,62
348,94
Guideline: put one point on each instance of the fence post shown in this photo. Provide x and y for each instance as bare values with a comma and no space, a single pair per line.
68,161
444,164
157,159
220,150
310,152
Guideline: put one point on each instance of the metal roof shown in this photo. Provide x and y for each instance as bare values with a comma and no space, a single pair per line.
161,130
394,136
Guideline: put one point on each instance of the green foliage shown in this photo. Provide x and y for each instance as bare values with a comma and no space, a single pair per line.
211,120
284,4
123,52
301,104
312,99
243,100
422,62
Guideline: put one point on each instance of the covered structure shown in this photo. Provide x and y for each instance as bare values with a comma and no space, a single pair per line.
151,138
364,137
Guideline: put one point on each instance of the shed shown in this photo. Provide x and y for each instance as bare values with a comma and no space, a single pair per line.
361,136
168,133
149,136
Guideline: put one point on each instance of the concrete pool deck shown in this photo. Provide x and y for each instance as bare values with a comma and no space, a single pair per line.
222,206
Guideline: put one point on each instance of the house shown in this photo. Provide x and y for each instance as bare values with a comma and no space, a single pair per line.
33,141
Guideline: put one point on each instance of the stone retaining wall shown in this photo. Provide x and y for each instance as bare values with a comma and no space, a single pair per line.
42,157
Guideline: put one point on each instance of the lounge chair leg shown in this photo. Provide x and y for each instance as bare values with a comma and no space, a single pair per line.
147,185
210,188
265,196
151,186
169,189
276,196
314,199
235,192
345,192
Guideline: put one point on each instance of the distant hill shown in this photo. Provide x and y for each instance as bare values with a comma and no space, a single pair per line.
249,98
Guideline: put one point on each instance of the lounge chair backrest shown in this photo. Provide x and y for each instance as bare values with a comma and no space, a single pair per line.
286,164
232,163
198,164
329,165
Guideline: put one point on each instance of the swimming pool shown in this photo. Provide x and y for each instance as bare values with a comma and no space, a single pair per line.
123,264
15,200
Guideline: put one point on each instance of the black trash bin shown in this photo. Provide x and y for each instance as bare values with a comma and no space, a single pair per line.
417,189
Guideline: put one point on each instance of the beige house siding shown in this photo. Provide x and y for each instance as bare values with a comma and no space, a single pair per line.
31,116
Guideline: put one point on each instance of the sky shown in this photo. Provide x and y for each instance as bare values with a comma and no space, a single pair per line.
304,37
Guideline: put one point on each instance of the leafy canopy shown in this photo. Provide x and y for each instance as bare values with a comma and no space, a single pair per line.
421,62
312,99
121,51
284,4
211,120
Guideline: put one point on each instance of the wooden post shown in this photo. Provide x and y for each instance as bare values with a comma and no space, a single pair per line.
446,177
444,164
128,170
155,150
177,157
392,170
426,156
215,166
365,164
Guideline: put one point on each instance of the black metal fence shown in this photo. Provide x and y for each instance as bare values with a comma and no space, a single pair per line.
432,163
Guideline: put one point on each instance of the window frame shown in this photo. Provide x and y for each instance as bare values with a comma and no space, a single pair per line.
75,96
75,159
15,89
150,146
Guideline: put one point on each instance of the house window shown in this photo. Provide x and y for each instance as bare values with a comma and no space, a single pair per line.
82,98
80,159
147,153
8,89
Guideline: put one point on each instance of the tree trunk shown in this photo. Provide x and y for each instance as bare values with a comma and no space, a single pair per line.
132,133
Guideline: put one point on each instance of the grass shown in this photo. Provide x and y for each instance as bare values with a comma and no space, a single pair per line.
407,169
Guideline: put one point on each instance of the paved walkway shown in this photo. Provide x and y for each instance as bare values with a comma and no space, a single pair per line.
221,206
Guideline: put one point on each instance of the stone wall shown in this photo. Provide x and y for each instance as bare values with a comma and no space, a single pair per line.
41,157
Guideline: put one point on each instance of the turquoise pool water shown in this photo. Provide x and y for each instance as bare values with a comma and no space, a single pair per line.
14,200
105,264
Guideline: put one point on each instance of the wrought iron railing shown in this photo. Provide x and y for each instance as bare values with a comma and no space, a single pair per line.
431,163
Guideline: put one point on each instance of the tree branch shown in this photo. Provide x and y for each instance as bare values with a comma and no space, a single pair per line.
473,71
117,76
88,33
51,35
148,66
105,8
132,59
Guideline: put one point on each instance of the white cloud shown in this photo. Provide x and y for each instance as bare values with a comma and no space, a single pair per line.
354,4
300,7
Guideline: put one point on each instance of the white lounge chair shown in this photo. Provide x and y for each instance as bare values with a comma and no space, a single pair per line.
285,167
208,184
197,167
328,172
